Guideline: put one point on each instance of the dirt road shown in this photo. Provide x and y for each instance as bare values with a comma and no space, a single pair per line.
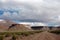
42,36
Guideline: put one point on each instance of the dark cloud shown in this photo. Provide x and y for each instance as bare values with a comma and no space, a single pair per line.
45,11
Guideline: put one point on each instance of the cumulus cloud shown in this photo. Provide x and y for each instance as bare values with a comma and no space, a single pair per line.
44,11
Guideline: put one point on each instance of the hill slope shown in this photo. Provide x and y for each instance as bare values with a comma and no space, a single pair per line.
4,24
18,27
7,25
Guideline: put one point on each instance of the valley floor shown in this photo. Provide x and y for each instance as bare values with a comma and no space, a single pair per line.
42,36
38,36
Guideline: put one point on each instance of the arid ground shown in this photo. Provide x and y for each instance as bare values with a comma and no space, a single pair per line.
42,36
37,36
6,28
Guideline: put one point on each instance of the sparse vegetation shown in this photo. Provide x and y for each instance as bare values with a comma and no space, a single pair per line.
1,37
19,33
14,37
13,34
55,31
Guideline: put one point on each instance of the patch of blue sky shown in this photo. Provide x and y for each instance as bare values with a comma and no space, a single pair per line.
1,12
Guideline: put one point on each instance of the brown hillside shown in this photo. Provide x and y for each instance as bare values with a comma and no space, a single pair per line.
4,25
7,25
18,27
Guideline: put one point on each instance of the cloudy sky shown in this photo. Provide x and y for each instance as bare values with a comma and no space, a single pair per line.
43,11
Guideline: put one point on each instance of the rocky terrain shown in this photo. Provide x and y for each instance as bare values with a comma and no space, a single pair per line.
18,27
7,25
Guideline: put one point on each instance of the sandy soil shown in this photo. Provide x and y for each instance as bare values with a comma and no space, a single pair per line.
38,36
42,36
